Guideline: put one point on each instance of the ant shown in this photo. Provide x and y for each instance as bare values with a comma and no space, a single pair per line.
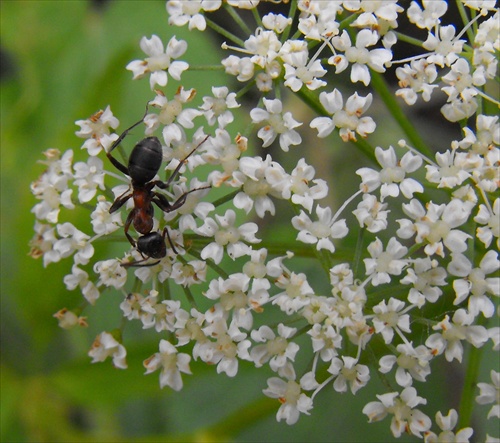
143,164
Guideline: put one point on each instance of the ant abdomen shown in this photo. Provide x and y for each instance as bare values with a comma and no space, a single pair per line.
145,160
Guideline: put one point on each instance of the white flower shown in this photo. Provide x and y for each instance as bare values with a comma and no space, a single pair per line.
104,346
79,278
414,79
173,114
299,70
88,177
279,350
73,240
188,11
371,214
461,92
233,296
488,176
487,36
229,346
447,423
402,406
297,292
171,364
451,169
320,232
325,340
278,124
103,222
392,177
359,56
383,264
218,107
68,319
444,45
265,47
429,16
226,234
490,393
425,275
348,372
486,134
452,333
52,188
318,20
389,317
490,219
412,364
436,225
252,175
348,119
220,150
297,184
180,148
164,316
111,273
159,62
188,274
96,130
276,22
293,400
475,286
377,15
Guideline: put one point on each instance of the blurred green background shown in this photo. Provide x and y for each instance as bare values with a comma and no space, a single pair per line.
62,61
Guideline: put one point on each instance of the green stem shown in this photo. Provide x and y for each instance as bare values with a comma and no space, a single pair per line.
245,89
189,296
344,24
225,33
465,20
243,418
226,198
407,39
381,87
235,16
470,381
206,68
291,14
257,18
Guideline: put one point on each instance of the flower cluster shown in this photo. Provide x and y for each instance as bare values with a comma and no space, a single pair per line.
421,283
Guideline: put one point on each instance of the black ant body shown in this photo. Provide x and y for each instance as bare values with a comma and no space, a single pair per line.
143,164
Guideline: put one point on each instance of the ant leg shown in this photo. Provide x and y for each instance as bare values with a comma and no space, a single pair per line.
120,166
165,231
166,206
119,202
128,222
138,263
164,185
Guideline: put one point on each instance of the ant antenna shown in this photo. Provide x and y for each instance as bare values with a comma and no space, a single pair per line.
125,133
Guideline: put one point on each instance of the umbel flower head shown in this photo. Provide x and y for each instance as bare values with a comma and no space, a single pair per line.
270,267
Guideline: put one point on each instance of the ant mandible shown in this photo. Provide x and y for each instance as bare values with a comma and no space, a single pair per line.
143,164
